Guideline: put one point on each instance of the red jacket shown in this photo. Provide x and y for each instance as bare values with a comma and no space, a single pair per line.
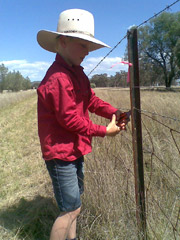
64,98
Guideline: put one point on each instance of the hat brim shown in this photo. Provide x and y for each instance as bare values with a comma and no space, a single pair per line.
47,40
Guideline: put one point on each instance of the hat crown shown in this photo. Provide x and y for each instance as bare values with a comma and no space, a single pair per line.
76,21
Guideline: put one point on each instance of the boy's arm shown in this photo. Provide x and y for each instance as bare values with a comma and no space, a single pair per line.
102,108
61,101
106,110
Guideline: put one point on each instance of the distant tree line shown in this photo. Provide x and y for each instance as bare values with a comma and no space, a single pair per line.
13,81
103,80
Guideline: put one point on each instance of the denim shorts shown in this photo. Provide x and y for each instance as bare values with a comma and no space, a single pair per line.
67,179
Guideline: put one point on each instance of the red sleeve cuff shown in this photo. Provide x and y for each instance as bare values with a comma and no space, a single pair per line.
101,131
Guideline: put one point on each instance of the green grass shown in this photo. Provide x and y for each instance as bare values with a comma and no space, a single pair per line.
27,205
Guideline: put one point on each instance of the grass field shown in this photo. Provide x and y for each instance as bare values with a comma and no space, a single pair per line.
27,206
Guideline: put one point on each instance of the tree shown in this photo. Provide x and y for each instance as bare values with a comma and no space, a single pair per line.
150,73
118,80
100,80
177,52
13,81
26,84
3,74
159,42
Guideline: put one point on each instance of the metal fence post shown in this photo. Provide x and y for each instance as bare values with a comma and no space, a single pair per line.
137,133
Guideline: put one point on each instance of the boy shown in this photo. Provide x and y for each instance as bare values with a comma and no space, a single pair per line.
64,127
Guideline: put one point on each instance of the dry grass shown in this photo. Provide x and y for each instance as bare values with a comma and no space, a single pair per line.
27,207
9,98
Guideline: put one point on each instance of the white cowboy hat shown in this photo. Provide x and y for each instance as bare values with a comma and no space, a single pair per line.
74,23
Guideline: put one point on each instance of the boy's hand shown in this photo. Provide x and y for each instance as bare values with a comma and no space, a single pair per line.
118,114
112,129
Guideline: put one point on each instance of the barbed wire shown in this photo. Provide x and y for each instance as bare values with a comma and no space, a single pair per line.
108,54
171,216
154,16
152,113
152,151
159,115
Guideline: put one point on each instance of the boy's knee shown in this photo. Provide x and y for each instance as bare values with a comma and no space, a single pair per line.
75,213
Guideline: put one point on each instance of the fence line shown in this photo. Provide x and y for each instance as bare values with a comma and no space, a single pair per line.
166,211
159,167
152,113
171,215
153,151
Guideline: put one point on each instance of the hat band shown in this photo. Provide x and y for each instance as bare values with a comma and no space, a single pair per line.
82,32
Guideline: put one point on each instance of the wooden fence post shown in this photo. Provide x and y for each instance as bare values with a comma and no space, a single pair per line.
137,133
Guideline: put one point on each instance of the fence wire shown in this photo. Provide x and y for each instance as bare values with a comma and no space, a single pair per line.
162,174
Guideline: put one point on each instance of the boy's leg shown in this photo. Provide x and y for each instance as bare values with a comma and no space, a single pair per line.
65,226
72,230
67,179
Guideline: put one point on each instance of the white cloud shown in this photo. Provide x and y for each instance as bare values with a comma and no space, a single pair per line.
109,65
36,70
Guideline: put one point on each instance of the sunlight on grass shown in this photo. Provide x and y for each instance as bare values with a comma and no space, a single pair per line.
27,205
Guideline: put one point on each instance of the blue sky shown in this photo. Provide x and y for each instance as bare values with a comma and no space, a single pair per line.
20,21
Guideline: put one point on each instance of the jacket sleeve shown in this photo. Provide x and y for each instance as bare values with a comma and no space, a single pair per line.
62,98
99,107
